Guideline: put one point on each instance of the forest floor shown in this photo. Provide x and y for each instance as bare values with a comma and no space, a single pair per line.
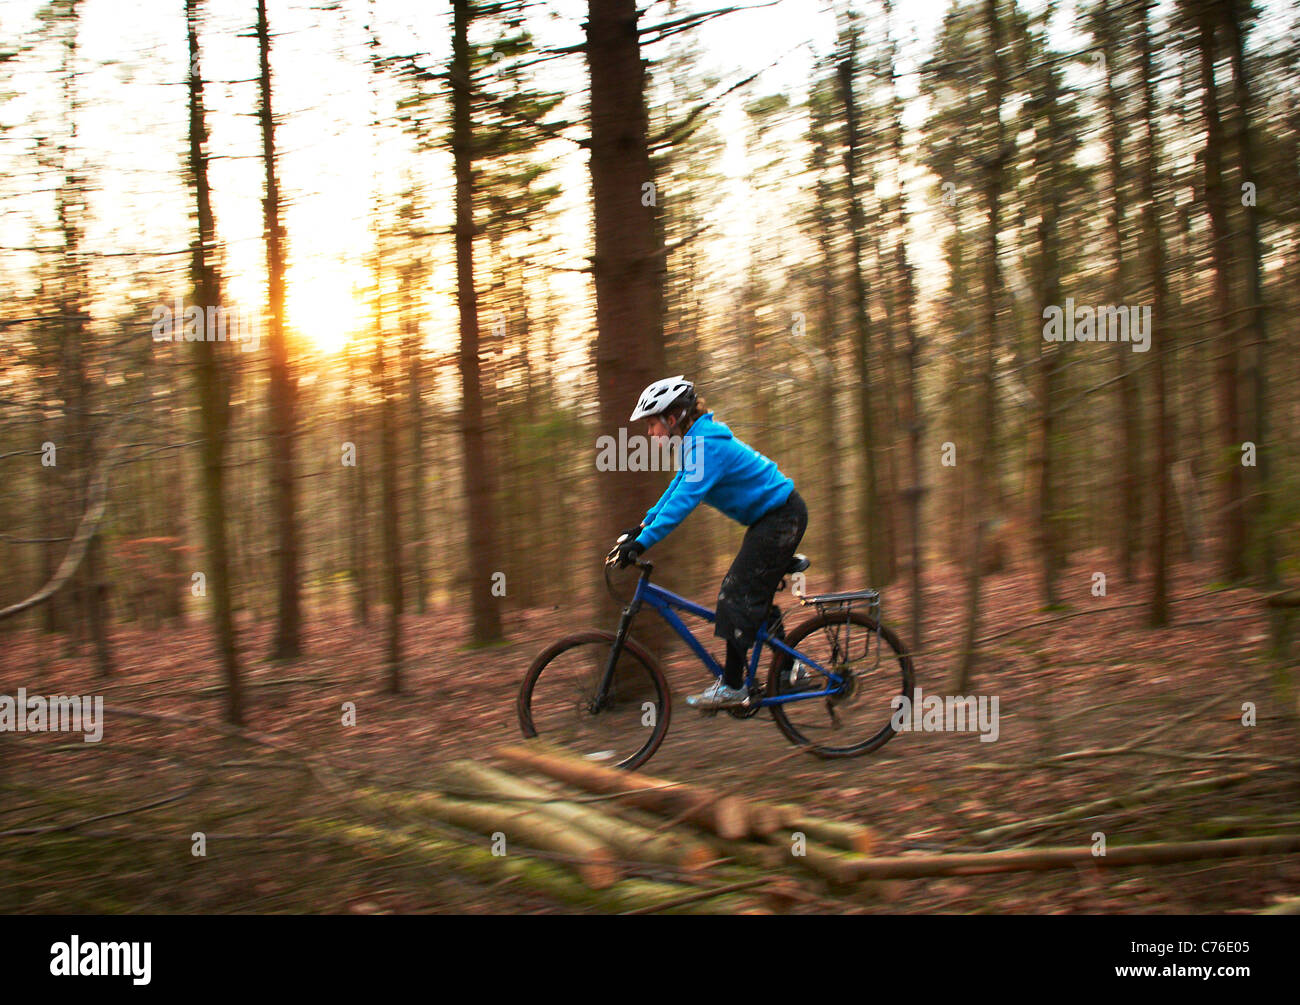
1090,681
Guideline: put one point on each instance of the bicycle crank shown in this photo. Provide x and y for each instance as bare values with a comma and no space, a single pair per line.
753,704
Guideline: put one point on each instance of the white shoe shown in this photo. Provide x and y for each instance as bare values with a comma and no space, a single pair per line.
718,695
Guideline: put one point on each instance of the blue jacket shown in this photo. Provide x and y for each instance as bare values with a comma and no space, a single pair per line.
720,470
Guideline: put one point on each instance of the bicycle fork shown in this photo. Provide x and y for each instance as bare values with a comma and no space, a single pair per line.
620,636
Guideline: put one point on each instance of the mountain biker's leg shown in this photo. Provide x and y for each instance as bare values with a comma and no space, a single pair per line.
750,584
733,672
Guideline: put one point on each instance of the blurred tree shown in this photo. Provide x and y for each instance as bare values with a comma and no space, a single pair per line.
514,123
385,387
1206,16
629,257
876,540
212,381
287,641
951,82
479,467
1237,22
1055,130
911,421
1105,24
89,588
687,148
1153,253
995,156
825,138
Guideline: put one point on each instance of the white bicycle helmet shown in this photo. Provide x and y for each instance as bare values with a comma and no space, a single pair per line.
663,395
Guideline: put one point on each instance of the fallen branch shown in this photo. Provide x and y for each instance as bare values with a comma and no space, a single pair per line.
837,833
725,816
591,858
540,877
1039,859
628,839
763,818
96,507
836,867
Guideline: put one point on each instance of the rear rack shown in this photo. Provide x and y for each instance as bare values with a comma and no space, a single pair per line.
872,597
837,602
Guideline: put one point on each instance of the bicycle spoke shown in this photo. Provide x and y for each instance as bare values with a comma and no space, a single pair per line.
856,716
561,698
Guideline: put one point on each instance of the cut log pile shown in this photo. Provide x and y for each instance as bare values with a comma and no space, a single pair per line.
597,837
600,837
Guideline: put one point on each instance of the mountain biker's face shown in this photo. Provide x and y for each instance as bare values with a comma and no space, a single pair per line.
656,427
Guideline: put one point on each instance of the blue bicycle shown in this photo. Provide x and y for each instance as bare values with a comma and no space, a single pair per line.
830,683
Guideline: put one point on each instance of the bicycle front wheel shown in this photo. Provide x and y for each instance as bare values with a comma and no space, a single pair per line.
558,700
874,667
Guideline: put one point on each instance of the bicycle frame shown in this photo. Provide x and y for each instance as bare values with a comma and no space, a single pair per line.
667,603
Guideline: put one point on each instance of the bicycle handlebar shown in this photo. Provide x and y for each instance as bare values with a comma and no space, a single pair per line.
612,557
611,563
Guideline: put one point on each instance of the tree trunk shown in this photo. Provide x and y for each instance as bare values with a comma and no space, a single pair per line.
1257,365
287,644
869,504
1049,356
986,464
383,381
911,420
1155,258
823,216
413,355
629,262
1128,447
1232,540
359,550
212,382
480,474
80,460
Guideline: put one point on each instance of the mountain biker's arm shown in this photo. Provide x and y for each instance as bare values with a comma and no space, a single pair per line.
667,494
683,495
659,504
654,510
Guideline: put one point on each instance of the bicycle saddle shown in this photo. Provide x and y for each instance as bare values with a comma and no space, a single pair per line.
798,564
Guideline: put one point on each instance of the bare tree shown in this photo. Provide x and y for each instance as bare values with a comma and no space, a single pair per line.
212,382
480,474
986,460
1154,256
287,644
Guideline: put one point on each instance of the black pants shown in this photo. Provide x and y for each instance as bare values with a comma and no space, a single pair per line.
751,582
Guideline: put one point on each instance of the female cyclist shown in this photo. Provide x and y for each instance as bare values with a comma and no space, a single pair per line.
718,469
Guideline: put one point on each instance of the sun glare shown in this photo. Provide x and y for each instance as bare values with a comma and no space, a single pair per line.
323,311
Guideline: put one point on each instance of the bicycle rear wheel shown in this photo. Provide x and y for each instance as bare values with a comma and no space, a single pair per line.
557,700
856,719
